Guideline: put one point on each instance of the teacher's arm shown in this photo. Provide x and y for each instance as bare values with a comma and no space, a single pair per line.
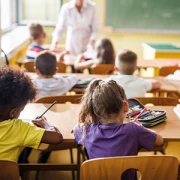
94,27
60,27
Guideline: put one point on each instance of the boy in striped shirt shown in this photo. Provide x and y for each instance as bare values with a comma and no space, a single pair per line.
37,40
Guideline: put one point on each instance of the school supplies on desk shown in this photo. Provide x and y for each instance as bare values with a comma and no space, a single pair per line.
83,83
146,117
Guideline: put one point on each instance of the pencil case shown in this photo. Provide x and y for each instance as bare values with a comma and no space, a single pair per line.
148,118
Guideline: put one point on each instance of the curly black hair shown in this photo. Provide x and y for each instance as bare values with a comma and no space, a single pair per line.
16,88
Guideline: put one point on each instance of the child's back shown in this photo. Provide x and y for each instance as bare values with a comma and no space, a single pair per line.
15,135
103,133
46,83
115,139
16,89
134,86
37,40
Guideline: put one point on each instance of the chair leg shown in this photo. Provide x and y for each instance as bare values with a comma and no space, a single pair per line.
78,162
72,162
37,175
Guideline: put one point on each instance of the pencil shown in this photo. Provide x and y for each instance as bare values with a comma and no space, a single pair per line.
47,109
139,115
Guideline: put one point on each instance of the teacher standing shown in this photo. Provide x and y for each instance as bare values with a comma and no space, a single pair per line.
81,20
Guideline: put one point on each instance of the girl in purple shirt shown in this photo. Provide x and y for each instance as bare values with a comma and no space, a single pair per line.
102,131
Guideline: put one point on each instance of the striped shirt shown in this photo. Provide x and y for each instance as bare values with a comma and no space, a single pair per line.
33,51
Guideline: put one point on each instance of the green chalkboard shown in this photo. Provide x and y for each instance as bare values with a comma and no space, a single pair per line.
157,15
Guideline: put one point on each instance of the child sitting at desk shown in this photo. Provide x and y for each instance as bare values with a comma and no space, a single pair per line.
134,86
103,54
46,83
102,130
16,89
37,37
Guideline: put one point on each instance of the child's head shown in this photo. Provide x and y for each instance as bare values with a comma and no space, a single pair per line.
37,33
103,101
46,63
126,62
105,51
16,89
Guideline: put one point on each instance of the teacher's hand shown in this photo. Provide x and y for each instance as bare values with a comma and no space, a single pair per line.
53,46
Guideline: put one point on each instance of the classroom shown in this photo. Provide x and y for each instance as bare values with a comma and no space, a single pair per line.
89,89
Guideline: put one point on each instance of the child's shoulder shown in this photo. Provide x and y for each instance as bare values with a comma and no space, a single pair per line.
35,47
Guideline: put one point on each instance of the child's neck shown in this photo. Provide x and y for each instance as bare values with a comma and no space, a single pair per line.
37,42
40,76
119,73
112,120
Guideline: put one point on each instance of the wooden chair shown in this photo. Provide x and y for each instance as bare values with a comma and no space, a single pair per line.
166,70
29,66
102,69
75,99
150,167
9,170
158,101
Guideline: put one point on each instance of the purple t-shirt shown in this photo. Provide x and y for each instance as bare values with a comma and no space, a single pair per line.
115,139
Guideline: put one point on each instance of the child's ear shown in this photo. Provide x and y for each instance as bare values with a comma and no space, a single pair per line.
116,69
56,70
36,70
44,34
31,39
12,113
126,107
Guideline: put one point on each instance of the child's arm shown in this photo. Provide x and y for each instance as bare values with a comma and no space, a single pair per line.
156,85
80,62
148,138
159,140
51,135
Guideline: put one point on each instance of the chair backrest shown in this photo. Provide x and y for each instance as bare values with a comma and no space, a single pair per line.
61,67
9,170
102,69
75,99
166,70
29,66
158,101
150,167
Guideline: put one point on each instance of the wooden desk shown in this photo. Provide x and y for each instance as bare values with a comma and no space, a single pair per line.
169,86
155,51
65,116
157,64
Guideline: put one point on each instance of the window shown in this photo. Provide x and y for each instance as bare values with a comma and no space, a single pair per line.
42,11
8,14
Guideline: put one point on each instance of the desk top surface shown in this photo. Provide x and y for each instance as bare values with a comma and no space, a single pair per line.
65,116
158,63
167,85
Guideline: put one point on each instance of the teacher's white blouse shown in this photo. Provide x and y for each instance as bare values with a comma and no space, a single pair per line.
81,26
